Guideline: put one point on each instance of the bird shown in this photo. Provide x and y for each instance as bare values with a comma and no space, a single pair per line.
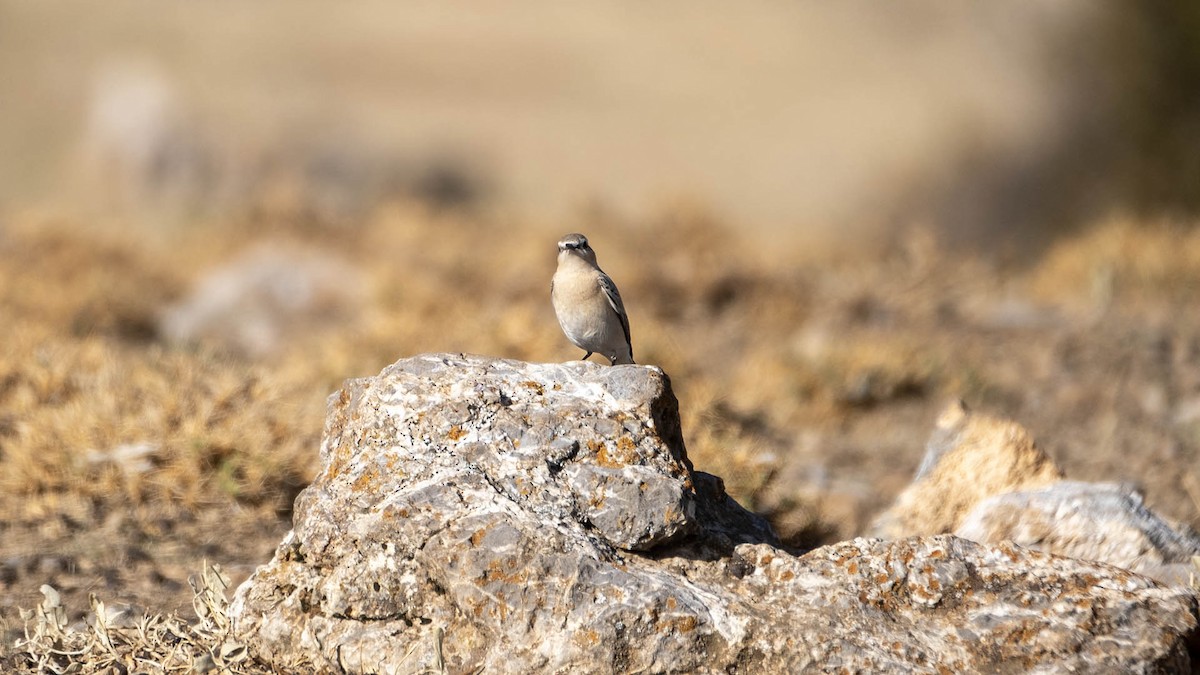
588,304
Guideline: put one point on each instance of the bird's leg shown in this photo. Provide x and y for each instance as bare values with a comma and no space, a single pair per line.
585,356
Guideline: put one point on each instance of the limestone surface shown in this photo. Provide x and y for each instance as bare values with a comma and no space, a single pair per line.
475,514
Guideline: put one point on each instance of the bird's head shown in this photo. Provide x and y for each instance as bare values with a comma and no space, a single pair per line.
575,245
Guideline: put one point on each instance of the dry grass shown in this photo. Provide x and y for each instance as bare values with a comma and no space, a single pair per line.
808,377
126,641
810,388
1154,263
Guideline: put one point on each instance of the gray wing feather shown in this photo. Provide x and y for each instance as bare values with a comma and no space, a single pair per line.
614,301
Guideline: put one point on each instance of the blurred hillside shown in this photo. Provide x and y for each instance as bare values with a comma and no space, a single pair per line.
807,119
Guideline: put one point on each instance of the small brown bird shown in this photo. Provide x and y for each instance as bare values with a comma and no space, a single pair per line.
588,304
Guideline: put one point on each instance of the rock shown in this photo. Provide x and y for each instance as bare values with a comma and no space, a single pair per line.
984,479
969,458
1094,521
474,513
138,147
131,458
263,298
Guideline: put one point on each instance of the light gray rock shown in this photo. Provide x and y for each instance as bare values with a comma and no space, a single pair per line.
264,298
983,478
1094,521
476,514
139,146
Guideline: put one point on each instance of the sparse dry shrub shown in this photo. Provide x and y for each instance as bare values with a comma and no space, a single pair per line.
111,640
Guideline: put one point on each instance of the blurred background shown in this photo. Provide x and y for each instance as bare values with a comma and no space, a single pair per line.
792,118
827,220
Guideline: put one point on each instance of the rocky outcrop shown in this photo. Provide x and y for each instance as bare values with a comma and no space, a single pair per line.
477,513
984,479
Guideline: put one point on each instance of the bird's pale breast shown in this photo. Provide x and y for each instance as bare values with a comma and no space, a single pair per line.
580,305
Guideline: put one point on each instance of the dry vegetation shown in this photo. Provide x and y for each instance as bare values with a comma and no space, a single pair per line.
809,376
809,381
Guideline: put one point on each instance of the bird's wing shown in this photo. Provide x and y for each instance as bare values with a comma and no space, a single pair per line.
614,301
